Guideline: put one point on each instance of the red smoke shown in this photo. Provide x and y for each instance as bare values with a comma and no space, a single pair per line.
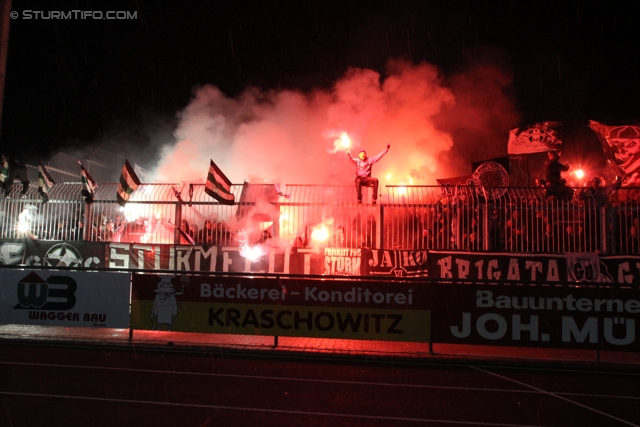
431,122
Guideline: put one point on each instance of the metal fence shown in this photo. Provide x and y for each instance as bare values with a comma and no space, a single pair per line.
407,217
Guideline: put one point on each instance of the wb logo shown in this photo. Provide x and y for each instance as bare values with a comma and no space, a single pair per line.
56,293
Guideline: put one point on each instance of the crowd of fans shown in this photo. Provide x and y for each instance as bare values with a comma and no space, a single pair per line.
211,233
596,218
532,221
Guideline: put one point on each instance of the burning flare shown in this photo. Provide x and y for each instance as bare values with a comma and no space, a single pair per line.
345,141
252,253
320,234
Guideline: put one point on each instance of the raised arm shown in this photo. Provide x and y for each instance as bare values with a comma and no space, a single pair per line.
380,154
351,158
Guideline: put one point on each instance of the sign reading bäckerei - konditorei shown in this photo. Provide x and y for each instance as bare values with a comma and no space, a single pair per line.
65,298
555,316
346,309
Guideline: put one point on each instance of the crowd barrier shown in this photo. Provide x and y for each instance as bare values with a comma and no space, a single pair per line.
519,220
426,264
508,310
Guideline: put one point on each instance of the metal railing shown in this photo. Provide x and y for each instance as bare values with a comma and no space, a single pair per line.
406,218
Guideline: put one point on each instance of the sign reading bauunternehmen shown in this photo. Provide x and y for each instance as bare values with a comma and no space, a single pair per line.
553,316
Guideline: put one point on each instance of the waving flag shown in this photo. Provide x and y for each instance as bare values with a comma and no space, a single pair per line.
450,186
129,182
184,234
88,185
621,145
491,177
45,182
280,193
218,185
535,138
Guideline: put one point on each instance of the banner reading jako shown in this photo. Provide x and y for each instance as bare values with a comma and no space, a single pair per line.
348,309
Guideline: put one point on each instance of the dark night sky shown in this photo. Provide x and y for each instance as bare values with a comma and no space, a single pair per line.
75,83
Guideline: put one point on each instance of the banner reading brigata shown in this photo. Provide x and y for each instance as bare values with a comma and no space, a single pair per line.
498,266
545,268
64,298
282,307
537,316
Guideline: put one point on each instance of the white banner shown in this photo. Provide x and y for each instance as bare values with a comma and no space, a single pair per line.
535,138
622,147
61,298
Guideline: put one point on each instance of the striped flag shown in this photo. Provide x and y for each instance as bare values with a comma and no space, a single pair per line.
129,182
88,185
45,182
218,186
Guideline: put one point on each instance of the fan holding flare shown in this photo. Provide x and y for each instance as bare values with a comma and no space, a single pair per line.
363,172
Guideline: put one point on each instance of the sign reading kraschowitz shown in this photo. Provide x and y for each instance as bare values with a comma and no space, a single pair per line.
346,309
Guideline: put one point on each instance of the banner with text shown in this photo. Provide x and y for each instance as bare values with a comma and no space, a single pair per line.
214,258
383,262
57,298
497,266
282,307
549,268
537,316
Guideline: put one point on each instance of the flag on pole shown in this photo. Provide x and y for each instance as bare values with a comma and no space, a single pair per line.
184,234
280,193
449,186
129,182
621,145
88,185
535,138
218,185
491,176
45,182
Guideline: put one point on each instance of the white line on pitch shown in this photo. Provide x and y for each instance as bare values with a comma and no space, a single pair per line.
277,411
556,395
311,380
